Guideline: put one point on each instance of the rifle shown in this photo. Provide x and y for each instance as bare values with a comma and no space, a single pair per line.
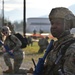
40,65
34,63
7,49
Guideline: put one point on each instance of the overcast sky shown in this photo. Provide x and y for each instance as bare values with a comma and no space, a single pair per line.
35,8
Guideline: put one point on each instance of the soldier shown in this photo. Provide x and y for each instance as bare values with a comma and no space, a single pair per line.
11,27
14,49
61,59
43,43
30,42
62,21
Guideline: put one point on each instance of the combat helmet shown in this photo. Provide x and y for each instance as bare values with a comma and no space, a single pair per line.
64,13
5,29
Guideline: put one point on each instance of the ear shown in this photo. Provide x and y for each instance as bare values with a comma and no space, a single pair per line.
68,24
73,23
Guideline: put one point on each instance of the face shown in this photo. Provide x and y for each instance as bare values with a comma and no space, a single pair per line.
57,27
5,33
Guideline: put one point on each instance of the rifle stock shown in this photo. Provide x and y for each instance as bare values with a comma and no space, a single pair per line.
7,49
40,65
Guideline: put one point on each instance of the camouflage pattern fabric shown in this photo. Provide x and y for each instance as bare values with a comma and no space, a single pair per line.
12,29
43,43
69,58
18,53
29,39
64,13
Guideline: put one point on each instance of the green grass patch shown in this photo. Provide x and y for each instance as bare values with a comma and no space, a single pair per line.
32,52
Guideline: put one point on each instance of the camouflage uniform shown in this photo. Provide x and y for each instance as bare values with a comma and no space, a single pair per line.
69,57
43,43
30,40
14,44
18,53
10,26
67,62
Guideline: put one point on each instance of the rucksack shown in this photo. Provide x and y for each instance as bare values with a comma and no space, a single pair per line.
22,39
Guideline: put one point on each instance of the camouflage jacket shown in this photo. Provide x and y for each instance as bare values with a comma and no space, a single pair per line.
14,45
43,42
68,61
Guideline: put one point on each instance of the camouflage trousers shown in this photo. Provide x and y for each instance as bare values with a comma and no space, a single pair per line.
41,50
18,58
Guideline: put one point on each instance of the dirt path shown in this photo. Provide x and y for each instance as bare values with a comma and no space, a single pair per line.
25,65
27,62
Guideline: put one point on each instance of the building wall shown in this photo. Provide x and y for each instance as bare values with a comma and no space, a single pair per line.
38,24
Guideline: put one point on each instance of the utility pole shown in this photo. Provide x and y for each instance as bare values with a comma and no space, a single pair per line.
24,18
3,13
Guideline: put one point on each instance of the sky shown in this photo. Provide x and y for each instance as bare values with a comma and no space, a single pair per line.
34,8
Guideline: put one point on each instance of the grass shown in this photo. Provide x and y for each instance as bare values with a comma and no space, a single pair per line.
32,49
32,52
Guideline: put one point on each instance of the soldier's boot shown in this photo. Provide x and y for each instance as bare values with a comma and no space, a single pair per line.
9,70
40,51
30,70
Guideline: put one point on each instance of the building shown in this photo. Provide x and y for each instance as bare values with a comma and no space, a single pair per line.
38,24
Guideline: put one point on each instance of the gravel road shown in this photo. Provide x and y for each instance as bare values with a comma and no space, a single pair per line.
25,65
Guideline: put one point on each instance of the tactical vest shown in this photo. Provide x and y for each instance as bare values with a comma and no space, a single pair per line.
59,62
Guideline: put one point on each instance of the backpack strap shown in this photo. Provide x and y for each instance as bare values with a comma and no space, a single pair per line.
66,45
63,51
11,39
